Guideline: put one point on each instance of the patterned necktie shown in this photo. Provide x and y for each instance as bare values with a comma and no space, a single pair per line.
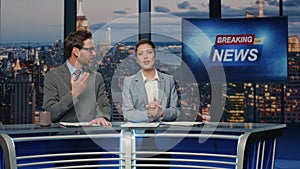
76,74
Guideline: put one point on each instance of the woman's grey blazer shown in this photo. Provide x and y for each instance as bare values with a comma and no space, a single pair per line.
134,98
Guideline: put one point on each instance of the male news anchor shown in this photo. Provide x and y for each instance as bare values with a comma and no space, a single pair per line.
73,92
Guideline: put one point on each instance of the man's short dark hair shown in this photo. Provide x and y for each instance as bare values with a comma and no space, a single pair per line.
75,39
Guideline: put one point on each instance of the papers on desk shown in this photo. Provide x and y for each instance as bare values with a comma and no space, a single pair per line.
156,124
182,123
77,124
131,124
136,125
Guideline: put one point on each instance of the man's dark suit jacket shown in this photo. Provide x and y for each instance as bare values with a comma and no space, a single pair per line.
93,102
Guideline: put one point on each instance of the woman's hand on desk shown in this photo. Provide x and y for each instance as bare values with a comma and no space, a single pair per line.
101,121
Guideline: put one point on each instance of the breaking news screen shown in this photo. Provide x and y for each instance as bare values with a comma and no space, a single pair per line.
236,50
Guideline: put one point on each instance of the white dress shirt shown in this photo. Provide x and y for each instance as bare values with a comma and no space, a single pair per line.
151,86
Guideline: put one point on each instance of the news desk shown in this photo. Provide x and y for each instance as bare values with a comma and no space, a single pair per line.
208,145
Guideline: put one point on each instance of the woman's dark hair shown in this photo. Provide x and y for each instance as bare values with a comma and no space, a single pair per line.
75,39
144,41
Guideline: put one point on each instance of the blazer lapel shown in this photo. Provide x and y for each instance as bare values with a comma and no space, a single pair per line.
66,76
161,88
138,80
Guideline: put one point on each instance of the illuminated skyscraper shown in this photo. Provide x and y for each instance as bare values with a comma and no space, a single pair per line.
107,31
261,9
250,15
292,88
81,21
234,108
294,44
268,102
17,66
30,53
17,100
105,46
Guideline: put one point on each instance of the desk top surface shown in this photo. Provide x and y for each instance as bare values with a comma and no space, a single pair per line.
118,126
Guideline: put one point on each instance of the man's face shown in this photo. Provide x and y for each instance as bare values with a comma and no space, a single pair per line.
87,53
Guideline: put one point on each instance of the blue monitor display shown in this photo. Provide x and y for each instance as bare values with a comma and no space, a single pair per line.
236,50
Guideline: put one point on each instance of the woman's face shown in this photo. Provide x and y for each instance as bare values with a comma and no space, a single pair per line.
145,56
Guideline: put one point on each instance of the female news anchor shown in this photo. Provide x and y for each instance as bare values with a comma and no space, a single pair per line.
149,95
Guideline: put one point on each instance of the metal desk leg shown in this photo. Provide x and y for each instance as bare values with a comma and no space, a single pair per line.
127,148
9,152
